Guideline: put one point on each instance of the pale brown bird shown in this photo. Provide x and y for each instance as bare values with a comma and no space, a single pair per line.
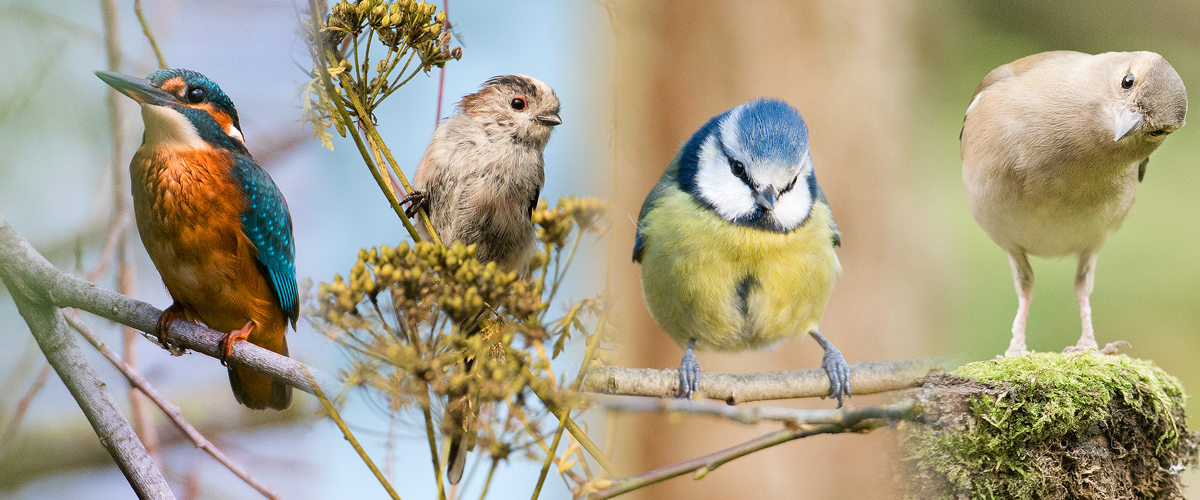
480,180
1053,147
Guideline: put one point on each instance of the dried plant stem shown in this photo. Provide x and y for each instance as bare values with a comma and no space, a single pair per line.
337,418
734,388
162,61
14,423
588,355
336,99
576,432
851,420
491,471
376,141
433,451
136,381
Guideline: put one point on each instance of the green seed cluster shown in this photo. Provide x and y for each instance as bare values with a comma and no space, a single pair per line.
417,25
427,325
555,224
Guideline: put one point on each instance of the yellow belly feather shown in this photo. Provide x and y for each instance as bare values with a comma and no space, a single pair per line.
694,262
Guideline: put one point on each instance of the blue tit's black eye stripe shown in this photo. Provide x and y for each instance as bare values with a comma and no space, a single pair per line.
738,168
789,186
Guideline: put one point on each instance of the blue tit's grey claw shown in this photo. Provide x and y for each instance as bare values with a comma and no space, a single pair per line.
837,369
689,372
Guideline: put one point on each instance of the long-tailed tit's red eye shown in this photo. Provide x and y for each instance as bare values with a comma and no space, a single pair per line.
517,103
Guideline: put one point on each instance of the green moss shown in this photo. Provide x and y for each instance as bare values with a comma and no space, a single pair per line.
1050,425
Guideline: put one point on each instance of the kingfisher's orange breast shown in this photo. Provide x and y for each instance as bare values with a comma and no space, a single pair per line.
188,212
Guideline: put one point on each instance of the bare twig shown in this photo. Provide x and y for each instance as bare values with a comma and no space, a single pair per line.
137,7
19,260
48,327
734,388
18,415
851,420
143,421
168,408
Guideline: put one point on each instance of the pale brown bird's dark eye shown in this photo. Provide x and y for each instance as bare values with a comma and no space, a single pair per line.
1156,133
1127,82
517,103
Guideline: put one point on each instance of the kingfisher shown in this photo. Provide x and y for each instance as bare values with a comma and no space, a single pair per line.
214,223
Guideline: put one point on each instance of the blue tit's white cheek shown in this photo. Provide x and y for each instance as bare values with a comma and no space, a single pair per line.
793,207
715,184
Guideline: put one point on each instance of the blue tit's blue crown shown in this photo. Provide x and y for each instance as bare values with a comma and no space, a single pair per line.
751,165
778,130
209,110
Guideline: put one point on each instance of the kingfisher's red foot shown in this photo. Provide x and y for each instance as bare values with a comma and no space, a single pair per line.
226,345
165,320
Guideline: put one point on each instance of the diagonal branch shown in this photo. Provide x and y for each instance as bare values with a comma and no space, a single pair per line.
734,388
48,327
168,408
37,277
849,420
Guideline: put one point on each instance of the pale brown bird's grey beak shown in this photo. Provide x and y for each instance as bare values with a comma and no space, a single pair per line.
766,197
1126,121
550,120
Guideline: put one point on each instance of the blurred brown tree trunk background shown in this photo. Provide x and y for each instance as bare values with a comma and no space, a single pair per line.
848,66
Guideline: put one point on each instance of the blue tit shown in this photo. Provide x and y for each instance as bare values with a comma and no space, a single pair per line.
483,171
736,241
1053,148
480,180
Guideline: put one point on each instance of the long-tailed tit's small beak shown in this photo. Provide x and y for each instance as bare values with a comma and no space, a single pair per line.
549,120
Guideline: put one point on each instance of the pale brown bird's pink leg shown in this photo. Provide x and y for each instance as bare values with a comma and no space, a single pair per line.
1023,282
1084,282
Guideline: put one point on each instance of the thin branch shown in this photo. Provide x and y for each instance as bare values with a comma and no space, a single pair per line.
14,423
850,420
168,408
734,388
48,327
20,261
741,414
137,7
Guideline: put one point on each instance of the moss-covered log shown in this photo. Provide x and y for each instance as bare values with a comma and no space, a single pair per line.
1048,425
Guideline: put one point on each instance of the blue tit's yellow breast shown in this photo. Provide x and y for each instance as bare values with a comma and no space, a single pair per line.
731,287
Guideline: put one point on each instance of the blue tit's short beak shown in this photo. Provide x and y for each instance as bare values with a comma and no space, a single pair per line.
549,120
1126,121
766,197
138,89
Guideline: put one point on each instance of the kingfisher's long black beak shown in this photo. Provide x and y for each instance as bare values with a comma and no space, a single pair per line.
138,89
550,120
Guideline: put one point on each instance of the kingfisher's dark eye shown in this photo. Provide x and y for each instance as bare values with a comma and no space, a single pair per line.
517,103
738,168
195,95
1127,82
